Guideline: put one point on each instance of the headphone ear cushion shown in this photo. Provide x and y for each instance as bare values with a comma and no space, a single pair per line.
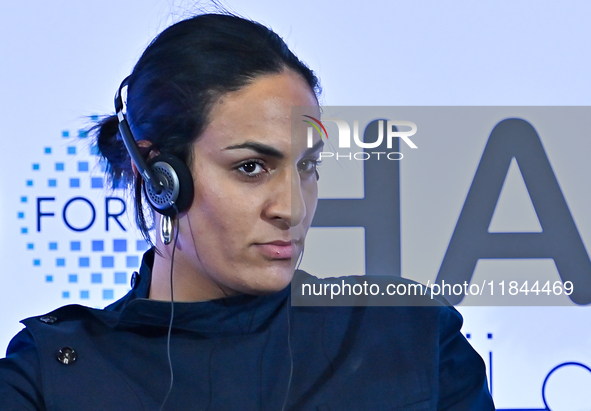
179,190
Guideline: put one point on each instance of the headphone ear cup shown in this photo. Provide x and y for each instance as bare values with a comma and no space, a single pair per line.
177,185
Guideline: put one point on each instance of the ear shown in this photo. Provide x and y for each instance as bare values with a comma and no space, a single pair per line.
143,145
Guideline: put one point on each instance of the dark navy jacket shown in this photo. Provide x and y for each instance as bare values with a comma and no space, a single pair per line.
237,354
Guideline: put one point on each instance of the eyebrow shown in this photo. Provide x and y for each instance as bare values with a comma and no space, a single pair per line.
260,148
316,147
271,151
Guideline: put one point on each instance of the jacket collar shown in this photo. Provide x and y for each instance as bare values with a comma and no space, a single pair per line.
232,315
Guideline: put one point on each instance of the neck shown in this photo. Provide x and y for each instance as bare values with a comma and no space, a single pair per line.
189,284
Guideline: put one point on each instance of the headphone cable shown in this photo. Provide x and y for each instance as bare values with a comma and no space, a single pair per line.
289,336
176,236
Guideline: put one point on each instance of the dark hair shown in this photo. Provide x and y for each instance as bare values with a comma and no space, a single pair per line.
178,78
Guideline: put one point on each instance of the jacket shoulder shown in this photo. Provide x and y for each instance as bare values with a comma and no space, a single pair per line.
21,386
63,353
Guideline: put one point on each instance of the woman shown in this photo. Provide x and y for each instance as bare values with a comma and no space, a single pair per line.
208,324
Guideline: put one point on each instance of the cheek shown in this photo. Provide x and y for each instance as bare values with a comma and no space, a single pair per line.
221,211
311,200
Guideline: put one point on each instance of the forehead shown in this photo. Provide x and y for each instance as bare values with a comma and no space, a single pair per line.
259,112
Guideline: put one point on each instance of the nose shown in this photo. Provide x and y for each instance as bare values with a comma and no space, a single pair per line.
287,206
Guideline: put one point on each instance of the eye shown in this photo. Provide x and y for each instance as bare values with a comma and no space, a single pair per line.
251,168
308,166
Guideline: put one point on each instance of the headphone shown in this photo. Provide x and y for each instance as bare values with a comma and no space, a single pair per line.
168,184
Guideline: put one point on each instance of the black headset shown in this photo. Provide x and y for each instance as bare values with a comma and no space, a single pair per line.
168,184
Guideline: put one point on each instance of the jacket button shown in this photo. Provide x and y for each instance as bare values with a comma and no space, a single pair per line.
48,319
66,355
135,280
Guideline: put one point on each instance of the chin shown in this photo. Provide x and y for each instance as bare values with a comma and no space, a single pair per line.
271,281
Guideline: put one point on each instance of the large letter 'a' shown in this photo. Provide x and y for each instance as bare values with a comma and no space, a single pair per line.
559,238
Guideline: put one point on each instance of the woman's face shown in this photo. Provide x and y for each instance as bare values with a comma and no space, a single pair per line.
255,190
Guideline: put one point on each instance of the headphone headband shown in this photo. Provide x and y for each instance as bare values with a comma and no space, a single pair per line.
130,143
168,184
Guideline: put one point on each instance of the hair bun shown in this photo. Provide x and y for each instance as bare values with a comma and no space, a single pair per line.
112,148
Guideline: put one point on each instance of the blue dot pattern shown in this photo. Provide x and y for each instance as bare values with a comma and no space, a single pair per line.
132,261
96,182
141,245
102,258
98,245
120,245
120,277
107,262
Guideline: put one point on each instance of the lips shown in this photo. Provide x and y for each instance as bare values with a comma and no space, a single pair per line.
276,250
